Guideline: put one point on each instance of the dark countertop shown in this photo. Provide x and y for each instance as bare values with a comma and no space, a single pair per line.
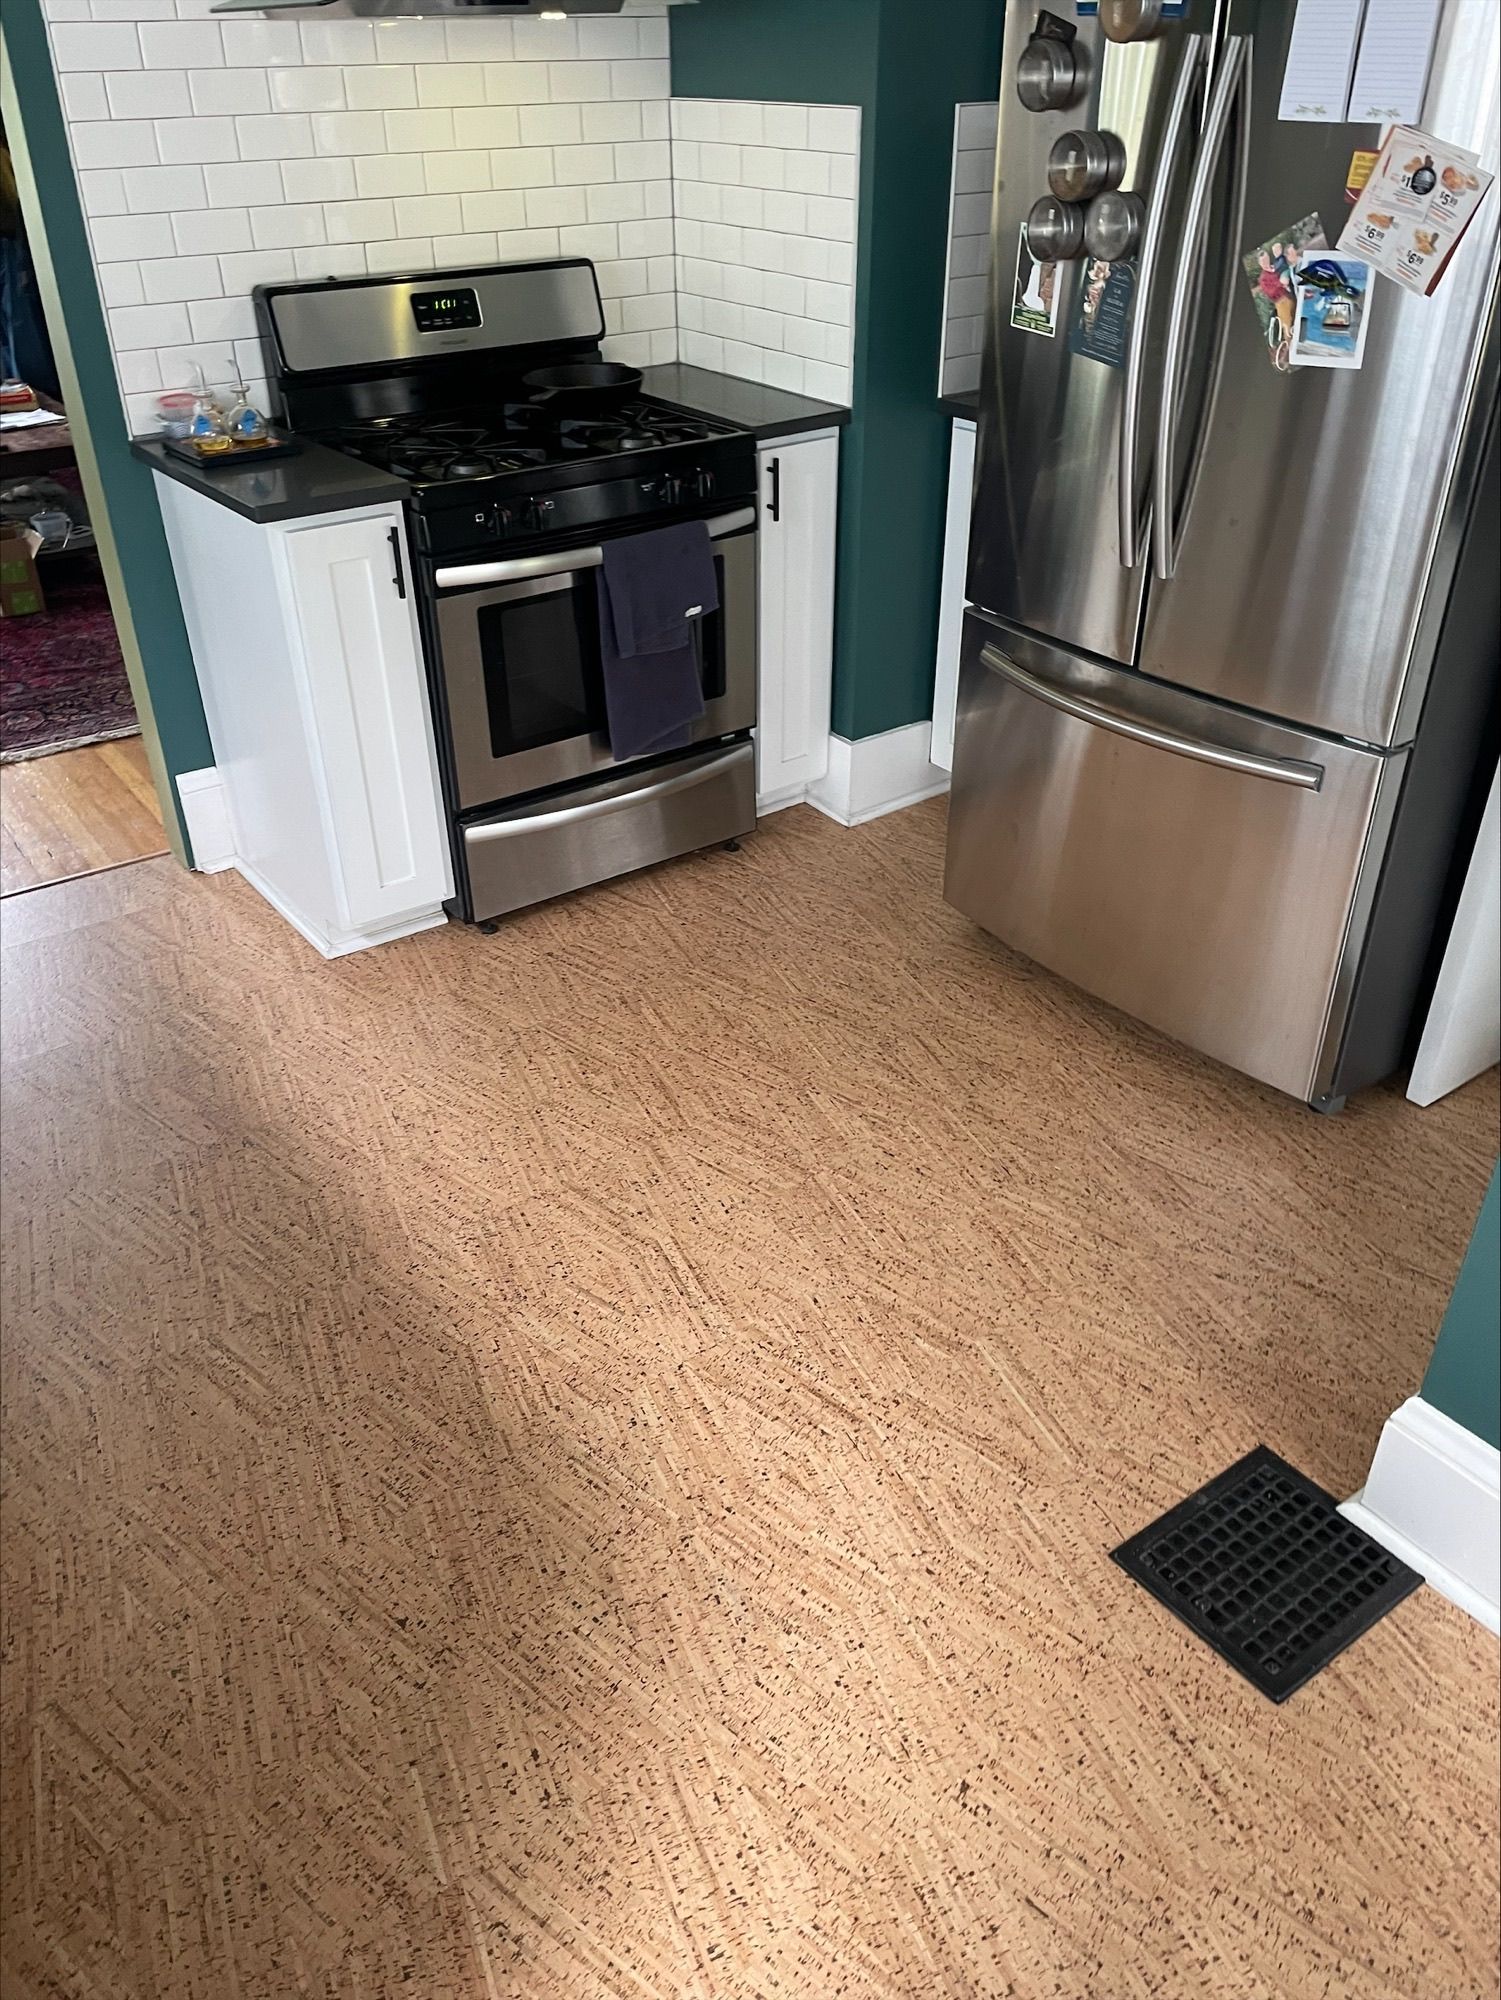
312,481
316,480
752,406
963,403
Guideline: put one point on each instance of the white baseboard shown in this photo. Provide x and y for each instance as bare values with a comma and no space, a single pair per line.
1434,1499
205,812
331,943
877,774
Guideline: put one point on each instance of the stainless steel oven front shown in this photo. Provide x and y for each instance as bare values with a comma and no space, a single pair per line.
519,660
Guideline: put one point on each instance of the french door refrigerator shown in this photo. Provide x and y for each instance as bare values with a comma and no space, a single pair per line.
1230,651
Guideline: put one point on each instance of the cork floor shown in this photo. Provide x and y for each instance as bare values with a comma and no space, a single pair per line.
578,1466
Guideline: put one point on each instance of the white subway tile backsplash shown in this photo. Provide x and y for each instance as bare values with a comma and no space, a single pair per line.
610,121
276,135
492,126
141,93
102,191
148,326
170,280
338,42
516,245
149,189
117,142
206,231
483,41
610,40
973,171
380,87
84,94
578,82
428,215
255,267
449,83
120,284
223,93
542,41
359,221
765,240
516,83
96,45
418,131
409,41
126,238
477,247
322,180
464,172
246,185
330,260
501,208
344,134
599,240
389,173
260,44
222,319
180,44
399,253
522,167
551,125
307,88
186,140
291,226
641,79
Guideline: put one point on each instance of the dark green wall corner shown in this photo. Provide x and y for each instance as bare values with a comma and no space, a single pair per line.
906,65
1464,1376
141,545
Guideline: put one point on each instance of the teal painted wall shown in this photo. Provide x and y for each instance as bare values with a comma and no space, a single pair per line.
131,498
906,65
1464,1376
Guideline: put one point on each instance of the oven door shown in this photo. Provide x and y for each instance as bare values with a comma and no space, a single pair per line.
519,659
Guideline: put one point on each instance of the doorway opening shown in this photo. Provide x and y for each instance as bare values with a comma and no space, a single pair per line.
76,791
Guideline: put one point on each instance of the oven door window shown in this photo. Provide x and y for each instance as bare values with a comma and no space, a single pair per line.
539,651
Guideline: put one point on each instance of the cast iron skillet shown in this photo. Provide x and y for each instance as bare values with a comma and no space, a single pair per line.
584,385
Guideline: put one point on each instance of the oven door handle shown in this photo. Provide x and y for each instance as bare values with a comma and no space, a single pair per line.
628,797
460,575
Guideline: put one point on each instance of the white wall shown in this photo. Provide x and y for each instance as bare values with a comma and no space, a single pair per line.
970,190
766,198
214,154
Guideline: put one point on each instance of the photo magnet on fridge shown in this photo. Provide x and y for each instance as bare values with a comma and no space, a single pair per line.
1034,299
1329,327
1272,273
1102,319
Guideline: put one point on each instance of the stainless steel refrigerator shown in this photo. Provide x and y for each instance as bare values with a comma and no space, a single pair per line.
1230,655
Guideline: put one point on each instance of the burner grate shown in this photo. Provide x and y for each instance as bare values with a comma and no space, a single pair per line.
1262,1565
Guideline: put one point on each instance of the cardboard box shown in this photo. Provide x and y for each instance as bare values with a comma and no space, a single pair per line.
20,586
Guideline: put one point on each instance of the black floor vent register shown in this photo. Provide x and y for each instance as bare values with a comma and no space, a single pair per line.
1261,1563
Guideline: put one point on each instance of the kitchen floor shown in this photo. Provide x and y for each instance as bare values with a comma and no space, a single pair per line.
73,811
581,1463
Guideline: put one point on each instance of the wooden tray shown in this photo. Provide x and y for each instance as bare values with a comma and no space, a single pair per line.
275,444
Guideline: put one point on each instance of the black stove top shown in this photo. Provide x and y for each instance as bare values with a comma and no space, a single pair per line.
516,437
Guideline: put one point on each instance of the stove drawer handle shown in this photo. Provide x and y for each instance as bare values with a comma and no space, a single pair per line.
514,568
536,822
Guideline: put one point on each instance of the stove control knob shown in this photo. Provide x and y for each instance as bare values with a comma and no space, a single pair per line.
538,513
505,520
703,484
673,489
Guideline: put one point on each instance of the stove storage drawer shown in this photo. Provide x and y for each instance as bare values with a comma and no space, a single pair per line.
526,854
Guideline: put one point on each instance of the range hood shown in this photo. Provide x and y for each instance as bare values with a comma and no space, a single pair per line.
453,10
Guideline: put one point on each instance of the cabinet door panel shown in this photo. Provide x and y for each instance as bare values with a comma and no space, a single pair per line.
799,500
369,708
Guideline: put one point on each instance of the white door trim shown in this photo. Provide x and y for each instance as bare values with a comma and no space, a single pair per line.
1434,1499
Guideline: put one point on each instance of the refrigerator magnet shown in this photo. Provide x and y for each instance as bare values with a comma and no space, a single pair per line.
1333,306
1102,319
1034,297
1272,270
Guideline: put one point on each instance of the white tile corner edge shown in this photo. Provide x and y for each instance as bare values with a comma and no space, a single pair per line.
1462,1034
877,774
1433,1498
205,812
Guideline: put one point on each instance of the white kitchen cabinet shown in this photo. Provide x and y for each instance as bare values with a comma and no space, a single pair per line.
799,527
309,659
951,593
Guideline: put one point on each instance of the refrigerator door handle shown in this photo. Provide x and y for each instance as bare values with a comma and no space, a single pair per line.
1232,89
1280,770
1195,49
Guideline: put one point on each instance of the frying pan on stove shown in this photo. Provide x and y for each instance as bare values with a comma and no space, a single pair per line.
584,386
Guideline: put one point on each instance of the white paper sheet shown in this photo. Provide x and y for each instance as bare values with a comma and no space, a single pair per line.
1320,61
1391,68
20,420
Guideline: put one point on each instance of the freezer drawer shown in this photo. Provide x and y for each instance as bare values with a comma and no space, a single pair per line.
1199,868
591,833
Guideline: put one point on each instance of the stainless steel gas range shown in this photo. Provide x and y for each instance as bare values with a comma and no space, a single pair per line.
514,486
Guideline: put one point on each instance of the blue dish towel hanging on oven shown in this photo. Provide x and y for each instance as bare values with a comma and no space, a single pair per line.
653,589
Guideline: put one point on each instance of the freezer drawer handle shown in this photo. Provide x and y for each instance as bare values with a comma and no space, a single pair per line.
1232,86
1151,249
1281,770
461,574
506,829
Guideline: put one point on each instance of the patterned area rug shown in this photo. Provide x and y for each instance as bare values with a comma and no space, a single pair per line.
62,678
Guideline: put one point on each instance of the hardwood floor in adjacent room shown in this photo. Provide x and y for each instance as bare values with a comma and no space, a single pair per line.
579,1465
76,811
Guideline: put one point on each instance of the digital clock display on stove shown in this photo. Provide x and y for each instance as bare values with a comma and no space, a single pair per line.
444,312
